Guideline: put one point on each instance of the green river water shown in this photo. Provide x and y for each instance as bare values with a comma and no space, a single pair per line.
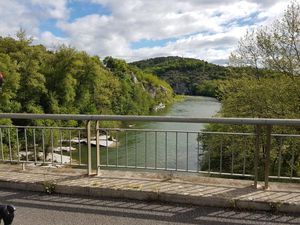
157,148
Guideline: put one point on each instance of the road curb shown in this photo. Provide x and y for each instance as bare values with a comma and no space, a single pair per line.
156,196
24,186
178,198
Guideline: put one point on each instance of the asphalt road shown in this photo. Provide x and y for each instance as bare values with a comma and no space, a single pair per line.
41,209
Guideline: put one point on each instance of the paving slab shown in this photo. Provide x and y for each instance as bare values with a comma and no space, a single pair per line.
150,186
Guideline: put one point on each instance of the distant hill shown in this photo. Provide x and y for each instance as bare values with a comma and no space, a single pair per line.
183,74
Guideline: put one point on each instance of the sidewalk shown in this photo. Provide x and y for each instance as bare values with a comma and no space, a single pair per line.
176,188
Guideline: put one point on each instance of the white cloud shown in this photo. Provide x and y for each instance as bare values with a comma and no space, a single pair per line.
211,47
216,24
273,12
94,34
15,15
56,9
51,41
206,29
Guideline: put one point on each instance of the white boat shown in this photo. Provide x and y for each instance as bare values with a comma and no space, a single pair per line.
64,149
75,140
104,141
110,142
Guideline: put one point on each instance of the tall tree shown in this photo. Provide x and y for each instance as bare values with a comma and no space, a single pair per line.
11,84
276,47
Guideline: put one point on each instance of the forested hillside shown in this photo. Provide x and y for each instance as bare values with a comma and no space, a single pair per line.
185,75
36,80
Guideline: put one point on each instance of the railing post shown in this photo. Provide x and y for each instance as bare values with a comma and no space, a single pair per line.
89,148
98,147
256,153
267,155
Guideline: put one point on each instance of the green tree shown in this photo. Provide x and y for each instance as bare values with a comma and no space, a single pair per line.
139,91
8,92
69,81
264,98
276,47
207,88
269,87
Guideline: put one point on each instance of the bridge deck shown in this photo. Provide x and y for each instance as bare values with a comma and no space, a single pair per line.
178,188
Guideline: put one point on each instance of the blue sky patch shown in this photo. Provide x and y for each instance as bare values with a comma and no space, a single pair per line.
50,25
151,43
84,8
244,21
249,20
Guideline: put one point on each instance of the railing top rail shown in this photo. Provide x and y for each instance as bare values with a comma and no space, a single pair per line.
237,121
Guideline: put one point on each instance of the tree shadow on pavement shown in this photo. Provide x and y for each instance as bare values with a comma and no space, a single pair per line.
155,211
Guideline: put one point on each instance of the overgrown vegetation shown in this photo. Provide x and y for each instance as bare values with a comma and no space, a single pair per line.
265,83
72,82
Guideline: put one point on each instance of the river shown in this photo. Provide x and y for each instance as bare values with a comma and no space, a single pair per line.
164,145
191,106
161,144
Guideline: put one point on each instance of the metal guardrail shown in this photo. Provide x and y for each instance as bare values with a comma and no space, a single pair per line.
43,145
174,150
178,119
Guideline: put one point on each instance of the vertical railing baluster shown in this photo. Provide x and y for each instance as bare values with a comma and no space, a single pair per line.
155,155
98,147
280,157
209,152
70,146
292,160
126,148
176,156
232,159
18,147
135,147
79,147
198,152
1,144
166,150
89,148
34,146
107,158
256,153
9,145
145,147
268,152
43,146
26,144
244,155
61,140
187,151
52,146
221,154
117,147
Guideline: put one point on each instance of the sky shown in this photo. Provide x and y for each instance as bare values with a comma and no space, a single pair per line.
140,29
